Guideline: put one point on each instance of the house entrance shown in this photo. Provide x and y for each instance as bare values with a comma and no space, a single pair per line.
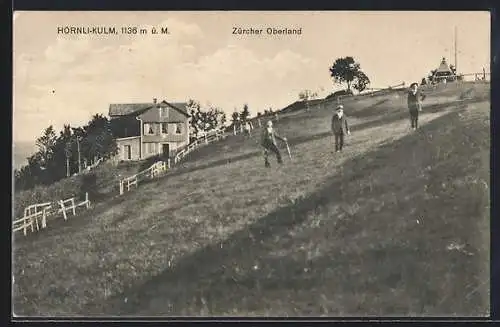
128,152
165,150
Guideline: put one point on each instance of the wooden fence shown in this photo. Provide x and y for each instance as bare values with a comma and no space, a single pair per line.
37,214
208,138
160,167
90,167
157,169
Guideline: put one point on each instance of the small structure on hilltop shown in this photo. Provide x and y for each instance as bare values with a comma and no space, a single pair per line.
444,73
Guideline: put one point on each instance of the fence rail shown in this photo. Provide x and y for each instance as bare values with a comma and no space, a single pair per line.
206,139
38,213
94,165
157,169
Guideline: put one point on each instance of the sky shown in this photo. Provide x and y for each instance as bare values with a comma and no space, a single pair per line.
65,79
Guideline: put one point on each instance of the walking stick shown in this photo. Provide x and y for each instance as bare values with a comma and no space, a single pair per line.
288,150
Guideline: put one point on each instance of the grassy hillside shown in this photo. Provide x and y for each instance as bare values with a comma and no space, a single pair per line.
107,176
397,224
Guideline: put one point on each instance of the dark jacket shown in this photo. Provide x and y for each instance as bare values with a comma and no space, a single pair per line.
414,100
268,138
339,125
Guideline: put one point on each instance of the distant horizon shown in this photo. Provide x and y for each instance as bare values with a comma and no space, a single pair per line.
61,78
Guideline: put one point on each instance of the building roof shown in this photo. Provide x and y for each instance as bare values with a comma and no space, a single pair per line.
444,68
127,109
124,109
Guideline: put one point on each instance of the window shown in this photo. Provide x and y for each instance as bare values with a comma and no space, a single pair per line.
127,152
151,148
148,129
164,128
164,112
178,128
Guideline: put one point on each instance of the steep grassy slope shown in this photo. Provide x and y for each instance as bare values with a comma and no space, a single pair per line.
107,176
397,224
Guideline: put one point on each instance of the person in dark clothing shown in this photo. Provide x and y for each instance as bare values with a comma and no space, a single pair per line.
415,98
340,128
268,141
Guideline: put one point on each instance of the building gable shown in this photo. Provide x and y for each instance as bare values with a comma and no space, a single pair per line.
164,112
137,109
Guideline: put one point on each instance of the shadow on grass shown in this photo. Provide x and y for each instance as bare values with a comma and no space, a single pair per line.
203,275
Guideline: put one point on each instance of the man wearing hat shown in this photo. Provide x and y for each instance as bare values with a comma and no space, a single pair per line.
414,104
339,127
268,141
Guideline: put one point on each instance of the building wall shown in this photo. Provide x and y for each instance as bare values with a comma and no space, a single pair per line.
156,120
170,135
135,146
151,149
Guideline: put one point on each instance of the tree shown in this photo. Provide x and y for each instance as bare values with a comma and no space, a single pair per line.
58,157
361,82
453,69
204,120
347,70
63,154
235,117
245,113
222,118
45,144
98,138
29,175
431,75
195,112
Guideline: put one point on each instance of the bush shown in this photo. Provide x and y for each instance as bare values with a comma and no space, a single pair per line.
61,190
150,161
89,185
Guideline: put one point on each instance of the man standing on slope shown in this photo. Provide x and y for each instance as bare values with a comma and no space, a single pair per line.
414,104
339,127
248,129
268,141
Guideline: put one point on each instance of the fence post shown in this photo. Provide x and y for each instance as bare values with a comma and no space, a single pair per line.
25,226
121,187
87,199
74,207
44,218
35,217
61,203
